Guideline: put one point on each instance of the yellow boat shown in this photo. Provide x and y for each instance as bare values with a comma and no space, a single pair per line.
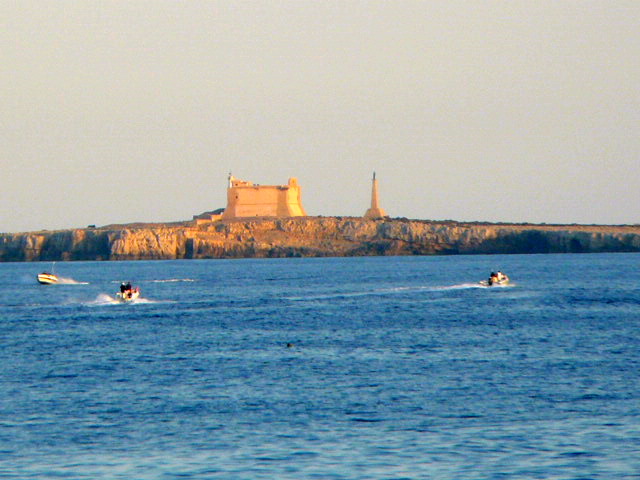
46,278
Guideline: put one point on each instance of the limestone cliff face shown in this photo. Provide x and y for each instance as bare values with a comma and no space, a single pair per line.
311,236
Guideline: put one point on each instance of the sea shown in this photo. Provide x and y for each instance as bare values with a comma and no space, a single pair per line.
323,368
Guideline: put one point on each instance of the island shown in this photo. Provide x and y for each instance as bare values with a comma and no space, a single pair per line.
261,221
306,236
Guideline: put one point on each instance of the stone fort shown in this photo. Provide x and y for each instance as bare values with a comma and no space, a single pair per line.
246,199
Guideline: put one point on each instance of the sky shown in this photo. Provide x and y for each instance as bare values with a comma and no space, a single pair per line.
500,111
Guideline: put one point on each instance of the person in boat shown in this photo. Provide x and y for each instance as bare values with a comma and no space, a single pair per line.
497,277
127,291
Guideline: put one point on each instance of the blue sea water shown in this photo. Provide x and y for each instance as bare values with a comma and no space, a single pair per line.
333,368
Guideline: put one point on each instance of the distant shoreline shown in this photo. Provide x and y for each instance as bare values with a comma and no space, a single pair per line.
267,237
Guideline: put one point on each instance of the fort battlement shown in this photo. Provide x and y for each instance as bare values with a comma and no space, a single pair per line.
244,199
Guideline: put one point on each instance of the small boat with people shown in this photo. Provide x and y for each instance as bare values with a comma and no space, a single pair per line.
496,278
127,293
47,278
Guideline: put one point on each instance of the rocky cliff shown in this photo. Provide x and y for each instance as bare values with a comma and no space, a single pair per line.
311,236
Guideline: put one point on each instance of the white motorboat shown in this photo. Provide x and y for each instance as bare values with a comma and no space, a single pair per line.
496,279
127,293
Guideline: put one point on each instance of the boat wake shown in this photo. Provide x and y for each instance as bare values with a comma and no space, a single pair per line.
70,281
498,285
465,286
397,290
460,286
173,280
106,299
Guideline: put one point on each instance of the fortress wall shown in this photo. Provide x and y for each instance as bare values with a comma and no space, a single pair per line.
247,200
255,201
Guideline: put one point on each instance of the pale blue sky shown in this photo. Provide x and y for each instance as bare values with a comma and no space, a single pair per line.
116,111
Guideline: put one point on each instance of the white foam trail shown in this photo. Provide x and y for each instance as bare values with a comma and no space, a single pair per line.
460,286
70,281
105,299
168,280
463,286
142,300
497,285
173,280
391,291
